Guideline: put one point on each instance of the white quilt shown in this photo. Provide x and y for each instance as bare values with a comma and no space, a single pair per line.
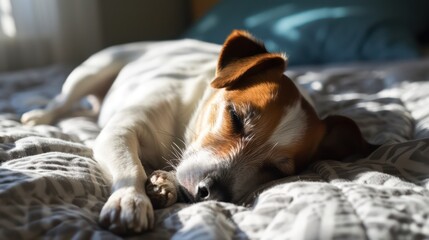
50,186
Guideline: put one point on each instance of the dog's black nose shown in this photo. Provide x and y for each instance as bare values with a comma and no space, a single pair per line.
203,190
211,189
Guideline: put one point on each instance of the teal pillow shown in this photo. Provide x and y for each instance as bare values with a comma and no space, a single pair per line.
320,32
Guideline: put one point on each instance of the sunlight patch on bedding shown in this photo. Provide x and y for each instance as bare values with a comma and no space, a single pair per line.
347,96
377,107
309,77
317,86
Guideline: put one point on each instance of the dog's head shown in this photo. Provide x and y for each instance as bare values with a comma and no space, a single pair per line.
257,127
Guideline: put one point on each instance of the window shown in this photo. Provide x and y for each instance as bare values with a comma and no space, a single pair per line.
7,23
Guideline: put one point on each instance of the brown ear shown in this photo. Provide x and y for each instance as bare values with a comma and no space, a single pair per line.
239,44
244,68
343,139
241,56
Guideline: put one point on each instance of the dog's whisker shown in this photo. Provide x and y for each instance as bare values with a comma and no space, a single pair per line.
176,150
171,151
172,163
172,135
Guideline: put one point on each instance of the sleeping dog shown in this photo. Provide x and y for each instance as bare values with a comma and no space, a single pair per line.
246,126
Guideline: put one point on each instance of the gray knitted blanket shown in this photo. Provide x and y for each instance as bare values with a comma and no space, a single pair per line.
51,187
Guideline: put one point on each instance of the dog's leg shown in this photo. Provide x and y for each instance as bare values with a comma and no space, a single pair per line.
130,142
94,76
128,208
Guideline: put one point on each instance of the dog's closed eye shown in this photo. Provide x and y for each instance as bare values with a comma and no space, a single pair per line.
236,120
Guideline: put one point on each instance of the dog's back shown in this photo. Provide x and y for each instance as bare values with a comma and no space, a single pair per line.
165,72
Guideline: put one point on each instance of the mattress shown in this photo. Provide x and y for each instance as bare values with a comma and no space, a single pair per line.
51,187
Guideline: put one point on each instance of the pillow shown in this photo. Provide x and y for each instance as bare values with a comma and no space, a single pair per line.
320,32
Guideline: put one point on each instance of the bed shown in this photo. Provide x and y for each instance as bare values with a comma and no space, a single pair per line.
51,187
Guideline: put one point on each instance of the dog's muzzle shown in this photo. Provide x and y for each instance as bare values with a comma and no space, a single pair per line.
207,189
184,196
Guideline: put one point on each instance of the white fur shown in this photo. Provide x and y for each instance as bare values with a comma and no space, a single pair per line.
146,108
292,126
219,122
197,164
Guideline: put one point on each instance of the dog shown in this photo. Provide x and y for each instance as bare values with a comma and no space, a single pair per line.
243,127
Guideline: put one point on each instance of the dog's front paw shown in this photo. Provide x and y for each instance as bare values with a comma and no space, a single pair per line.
37,117
127,211
162,189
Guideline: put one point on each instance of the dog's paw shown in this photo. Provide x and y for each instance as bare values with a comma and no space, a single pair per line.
37,117
162,189
127,211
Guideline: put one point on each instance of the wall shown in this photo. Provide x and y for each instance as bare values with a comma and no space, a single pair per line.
139,20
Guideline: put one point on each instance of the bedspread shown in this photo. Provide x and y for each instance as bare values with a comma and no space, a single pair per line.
50,185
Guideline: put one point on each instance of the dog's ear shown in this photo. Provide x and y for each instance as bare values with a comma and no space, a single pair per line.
343,139
239,44
241,56
230,75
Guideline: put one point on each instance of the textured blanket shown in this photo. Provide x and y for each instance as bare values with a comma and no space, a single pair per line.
50,185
